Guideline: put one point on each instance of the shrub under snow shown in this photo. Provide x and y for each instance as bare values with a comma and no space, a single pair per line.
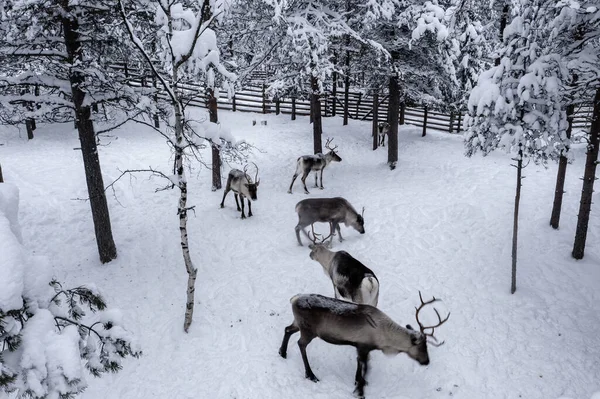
46,337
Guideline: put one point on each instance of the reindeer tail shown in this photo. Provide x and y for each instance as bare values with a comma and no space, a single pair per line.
369,289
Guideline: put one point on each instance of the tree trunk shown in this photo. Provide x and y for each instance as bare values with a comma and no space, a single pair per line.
347,85
375,120
316,111
503,22
562,171
513,284
589,176
93,173
393,111
1,177
216,152
424,122
182,210
29,125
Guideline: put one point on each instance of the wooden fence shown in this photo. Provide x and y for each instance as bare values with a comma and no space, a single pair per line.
255,98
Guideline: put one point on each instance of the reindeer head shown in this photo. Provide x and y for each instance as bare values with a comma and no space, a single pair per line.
383,128
252,185
359,225
334,156
418,348
319,244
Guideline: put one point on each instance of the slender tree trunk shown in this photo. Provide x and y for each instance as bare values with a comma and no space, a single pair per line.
513,284
29,126
375,119
182,210
503,22
560,176
393,111
347,85
316,111
589,176
93,173
1,177
334,78
216,152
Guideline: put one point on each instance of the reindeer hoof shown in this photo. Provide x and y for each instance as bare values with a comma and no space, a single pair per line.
289,191
312,377
222,206
282,354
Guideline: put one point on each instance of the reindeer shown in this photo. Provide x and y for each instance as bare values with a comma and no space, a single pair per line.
330,210
383,128
352,281
363,326
314,163
241,184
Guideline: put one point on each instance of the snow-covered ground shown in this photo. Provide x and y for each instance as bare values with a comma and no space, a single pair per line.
440,223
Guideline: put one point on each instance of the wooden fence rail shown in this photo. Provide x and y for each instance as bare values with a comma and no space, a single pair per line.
360,106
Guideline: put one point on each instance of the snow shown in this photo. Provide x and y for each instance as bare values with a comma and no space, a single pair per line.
440,223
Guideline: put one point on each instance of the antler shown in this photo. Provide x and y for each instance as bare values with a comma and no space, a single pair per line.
440,321
315,236
327,145
256,176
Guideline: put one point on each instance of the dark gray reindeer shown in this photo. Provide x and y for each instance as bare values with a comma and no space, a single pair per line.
314,163
383,128
242,184
352,281
363,326
328,210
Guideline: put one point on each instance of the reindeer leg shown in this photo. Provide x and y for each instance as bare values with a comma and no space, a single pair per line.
298,228
361,372
225,195
304,176
322,178
289,331
235,195
316,179
249,208
339,230
242,201
303,342
293,180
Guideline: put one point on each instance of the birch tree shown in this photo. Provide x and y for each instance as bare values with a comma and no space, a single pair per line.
186,48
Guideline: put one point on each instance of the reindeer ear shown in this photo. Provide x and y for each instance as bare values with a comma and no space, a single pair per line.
258,182
408,326
311,246
246,184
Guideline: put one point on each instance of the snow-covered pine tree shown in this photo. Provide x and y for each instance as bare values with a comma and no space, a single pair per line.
49,334
422,56
516,105
575,37
185,48
64,51
467,28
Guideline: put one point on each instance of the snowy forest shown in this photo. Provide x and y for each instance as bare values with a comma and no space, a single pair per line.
454,146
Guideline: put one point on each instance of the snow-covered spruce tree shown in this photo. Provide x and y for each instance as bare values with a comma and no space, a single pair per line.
575,37
421,67
516,105
63,50
467,27
186,48
49,335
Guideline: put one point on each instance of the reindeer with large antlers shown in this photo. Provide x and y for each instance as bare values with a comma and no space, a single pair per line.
242,184
363,326
314,163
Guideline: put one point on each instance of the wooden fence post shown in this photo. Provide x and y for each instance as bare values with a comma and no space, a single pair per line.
277,105
424,122
358,104
402,109
451,127
264,99
375,119
459,122
294,108
233,104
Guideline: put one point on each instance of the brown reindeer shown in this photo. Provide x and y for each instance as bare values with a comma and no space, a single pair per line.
314,163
